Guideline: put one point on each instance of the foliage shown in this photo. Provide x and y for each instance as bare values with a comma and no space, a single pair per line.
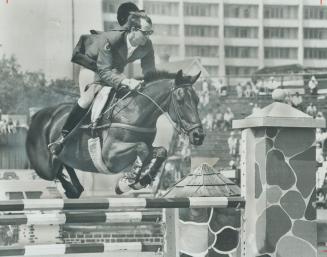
20,90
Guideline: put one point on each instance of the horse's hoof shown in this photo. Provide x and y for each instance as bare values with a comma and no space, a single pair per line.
122,186
72,195
118,191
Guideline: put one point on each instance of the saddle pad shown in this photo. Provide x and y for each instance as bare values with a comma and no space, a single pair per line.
99,102
94,147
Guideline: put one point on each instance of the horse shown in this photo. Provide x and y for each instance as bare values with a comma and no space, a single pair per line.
126,130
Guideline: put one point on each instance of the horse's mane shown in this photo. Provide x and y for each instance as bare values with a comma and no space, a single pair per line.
157,75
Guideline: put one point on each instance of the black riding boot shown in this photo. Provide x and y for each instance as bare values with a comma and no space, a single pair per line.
74,117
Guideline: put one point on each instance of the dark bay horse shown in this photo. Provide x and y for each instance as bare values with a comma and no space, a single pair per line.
126,137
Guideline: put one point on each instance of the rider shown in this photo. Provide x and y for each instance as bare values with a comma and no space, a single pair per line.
119,48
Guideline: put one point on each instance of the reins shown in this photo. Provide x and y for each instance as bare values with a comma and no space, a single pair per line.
179,128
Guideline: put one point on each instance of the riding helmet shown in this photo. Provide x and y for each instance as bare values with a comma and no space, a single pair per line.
124,10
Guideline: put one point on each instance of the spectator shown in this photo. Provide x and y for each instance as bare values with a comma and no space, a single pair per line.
320,200
11,127
325,181
312,110
3,127
205,86
204,94
313,84
288,98
255,109
228,117
320,136
248,90
254,88
217,85
321,172
260,86
223,90
272,84
209,121
319,153
219,120
321,116
239,90
297,101
232,144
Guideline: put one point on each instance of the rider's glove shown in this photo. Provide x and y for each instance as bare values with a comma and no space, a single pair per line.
131,83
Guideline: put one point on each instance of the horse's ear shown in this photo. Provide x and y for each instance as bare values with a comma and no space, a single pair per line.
179,77
195,78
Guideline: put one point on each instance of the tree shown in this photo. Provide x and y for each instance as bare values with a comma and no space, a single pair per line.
21,90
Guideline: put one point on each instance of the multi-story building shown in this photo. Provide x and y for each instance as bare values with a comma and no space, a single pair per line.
236,37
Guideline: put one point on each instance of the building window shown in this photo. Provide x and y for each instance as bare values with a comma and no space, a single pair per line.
161,8
212,70
166,30
238,70
315,12
241,52
171,50
315,33
203,10
282,33
203,51
33,194
240,32
240,11
15,195
111,6
280,53
201,31
315,53
280,12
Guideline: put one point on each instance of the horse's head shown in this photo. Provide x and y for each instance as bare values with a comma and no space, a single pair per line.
183,108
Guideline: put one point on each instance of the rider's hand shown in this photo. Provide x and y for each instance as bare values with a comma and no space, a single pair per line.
131,83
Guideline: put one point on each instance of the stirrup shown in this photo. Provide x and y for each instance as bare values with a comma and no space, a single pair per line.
56,146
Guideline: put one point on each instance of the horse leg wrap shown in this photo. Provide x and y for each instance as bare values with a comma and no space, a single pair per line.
160,152
154,166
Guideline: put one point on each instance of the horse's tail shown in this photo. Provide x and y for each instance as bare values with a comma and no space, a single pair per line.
37,141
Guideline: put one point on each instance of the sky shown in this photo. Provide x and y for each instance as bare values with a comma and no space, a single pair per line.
39,32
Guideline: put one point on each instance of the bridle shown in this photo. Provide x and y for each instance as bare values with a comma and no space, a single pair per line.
180,128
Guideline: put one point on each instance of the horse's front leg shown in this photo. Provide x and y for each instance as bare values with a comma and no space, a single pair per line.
119,156
159,155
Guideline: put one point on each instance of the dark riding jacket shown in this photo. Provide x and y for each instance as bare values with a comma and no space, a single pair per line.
106,54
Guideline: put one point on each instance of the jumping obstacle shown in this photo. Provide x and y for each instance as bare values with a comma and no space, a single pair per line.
44,250
121,203
278,181
79,217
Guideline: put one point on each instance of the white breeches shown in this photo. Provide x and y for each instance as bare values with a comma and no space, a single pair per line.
88,89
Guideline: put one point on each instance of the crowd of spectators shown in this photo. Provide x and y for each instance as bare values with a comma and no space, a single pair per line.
321,175
219,119
8,126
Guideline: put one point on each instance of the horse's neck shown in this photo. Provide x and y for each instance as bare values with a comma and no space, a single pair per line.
159,92
140,110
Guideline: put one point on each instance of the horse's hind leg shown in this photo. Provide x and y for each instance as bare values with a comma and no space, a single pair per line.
74,179
70,190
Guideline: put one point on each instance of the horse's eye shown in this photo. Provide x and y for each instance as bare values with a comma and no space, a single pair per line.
180,94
